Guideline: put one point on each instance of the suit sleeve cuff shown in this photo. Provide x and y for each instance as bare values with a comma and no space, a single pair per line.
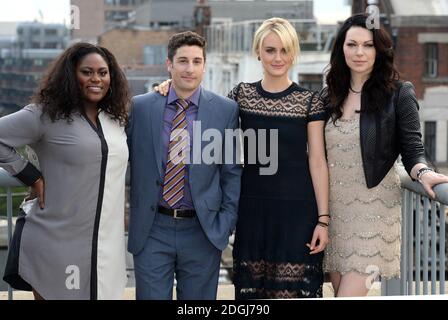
29,175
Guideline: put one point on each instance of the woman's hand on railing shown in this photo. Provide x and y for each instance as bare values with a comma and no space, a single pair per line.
163,88
37,191
430,179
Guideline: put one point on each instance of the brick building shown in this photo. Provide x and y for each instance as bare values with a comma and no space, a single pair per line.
98,16
134,45
141,52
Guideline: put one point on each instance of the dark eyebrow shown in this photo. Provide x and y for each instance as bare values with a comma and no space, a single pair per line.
351,40
89,68
195,58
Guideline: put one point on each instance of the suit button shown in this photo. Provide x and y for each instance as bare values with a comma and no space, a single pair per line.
153,208
158,183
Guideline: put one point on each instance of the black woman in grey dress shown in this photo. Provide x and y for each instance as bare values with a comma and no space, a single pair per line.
70,244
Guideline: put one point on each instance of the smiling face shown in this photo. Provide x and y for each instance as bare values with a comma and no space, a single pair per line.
92,73
187,69
359,50
274,58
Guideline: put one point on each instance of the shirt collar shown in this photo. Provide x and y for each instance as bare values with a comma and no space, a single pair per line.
194,98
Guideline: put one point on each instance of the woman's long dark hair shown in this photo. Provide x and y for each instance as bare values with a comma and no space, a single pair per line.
378,89
59,92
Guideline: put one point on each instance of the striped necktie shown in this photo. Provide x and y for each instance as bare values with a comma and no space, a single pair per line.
173,183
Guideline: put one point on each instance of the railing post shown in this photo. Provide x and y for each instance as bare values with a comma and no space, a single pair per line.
442,238
425,245
404,236
390,287
9,219
433,248
417,243
7,181
410,244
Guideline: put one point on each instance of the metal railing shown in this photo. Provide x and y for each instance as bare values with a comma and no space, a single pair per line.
8,182
423,245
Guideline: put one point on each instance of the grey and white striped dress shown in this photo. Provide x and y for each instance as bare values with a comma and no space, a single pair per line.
74,248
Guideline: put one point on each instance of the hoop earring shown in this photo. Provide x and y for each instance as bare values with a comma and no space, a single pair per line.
258,58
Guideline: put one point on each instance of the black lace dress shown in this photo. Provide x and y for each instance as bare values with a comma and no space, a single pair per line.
277,212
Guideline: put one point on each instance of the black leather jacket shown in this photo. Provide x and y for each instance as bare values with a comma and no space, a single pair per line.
393,131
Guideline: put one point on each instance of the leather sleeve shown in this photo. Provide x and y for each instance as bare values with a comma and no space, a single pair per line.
408,127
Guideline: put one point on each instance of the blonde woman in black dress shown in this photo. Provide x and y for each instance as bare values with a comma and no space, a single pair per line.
283,218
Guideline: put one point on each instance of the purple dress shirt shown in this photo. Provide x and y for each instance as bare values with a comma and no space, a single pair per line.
192,113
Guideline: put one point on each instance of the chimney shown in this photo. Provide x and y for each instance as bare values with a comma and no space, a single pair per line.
359,6
202,16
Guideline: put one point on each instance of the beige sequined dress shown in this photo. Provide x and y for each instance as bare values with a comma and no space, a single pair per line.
365,223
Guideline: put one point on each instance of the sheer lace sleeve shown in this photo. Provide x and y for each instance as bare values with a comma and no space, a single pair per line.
233,94
316,109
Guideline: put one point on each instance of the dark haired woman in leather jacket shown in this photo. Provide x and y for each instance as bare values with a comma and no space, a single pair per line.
373,118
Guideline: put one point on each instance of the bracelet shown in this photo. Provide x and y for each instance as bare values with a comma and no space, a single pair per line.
323,224
324,215
422,171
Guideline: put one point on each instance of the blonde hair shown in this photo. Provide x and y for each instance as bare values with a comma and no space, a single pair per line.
284,30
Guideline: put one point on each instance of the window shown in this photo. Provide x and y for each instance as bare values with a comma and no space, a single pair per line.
226,81
51,32
51,45
210,78
35,32
154,54
38,62
117,15
430,140
311,82
432,55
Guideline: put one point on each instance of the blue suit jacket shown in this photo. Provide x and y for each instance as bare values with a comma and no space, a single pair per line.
215,188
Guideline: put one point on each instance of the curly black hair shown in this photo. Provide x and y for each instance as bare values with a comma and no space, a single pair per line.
60,95
378,89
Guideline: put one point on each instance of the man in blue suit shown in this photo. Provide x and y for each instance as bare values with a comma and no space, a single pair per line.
183,208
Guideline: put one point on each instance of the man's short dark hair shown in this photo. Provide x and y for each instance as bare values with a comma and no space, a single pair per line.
187,38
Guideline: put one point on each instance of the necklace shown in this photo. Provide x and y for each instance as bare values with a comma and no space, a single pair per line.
355,92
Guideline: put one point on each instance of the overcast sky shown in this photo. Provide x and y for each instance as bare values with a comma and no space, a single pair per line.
59,10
